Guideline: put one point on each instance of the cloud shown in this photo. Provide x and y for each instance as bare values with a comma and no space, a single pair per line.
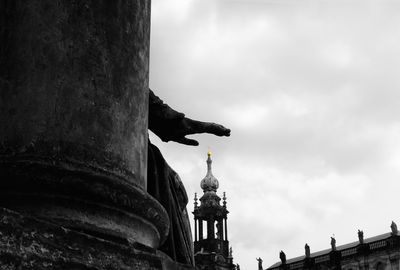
311,92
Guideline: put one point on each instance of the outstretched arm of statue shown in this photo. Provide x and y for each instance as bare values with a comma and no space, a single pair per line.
171,125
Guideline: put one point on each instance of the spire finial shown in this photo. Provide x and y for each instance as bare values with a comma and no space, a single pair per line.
195,200
224,199
209,162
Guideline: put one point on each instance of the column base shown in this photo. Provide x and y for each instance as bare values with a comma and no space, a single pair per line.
87,200
31,243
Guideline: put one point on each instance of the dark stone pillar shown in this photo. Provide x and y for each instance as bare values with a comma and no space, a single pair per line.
210,229
195,229
74,85
73,116
226,229
200,229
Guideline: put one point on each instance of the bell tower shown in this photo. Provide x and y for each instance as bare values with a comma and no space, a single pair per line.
211,245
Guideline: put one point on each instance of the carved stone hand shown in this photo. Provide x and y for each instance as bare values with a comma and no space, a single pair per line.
170,125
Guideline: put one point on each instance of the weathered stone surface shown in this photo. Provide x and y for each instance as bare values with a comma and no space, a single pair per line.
29,243
74,84
93,203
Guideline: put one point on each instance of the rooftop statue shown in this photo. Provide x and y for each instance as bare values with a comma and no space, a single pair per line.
307,250
361,236
260,261
282,256
393,226
333,243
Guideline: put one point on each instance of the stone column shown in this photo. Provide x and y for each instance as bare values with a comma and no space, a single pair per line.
200,229
210,229
226,229
73,116
195,229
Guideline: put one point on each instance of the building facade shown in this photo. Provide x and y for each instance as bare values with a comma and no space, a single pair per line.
381,252
211,245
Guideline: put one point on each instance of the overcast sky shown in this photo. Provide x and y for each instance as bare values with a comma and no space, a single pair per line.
310,90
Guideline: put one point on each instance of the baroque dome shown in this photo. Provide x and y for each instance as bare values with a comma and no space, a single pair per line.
209,182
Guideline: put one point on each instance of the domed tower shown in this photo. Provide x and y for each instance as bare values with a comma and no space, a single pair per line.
211,245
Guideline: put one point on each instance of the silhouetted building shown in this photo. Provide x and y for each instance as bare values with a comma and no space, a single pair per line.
211,245
380,252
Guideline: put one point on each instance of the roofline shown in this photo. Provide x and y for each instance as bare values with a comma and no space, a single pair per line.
340,248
